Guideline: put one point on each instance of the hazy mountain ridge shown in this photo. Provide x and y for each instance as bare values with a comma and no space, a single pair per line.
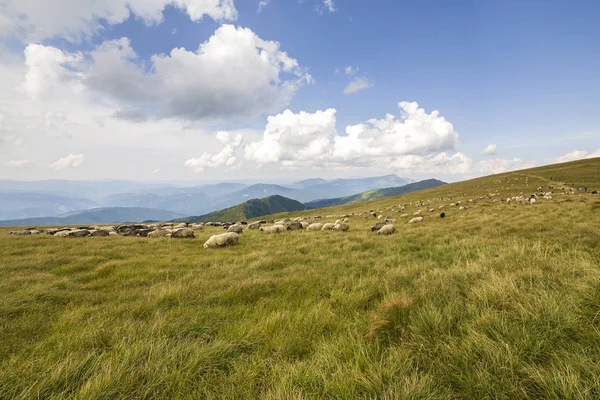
190,200
250,209
110,215
376,194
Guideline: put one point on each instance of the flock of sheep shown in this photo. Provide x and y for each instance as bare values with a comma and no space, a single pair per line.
307,223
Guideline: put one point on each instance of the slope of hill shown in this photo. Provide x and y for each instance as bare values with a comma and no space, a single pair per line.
106,215
375,194
497,301
250,209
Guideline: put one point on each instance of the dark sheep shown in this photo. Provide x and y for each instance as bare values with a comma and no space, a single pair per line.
378,226
442,215
296,226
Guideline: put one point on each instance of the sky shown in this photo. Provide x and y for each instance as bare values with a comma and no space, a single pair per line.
288,89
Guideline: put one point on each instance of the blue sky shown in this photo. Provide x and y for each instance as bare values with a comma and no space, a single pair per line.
518,78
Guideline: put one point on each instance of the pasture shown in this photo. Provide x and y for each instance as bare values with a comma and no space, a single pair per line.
501,301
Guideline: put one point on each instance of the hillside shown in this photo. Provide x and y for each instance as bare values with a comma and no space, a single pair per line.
250,209
110,215
376,194
498,301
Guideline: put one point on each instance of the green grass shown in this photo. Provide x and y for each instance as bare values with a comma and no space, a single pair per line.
498,302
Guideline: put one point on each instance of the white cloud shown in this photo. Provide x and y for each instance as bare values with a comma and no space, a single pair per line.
235,74
225,157
417,140
490,149
262,4
70,161
19,163
350,70
294,139
74,20
47,69
357,85
577,155
329,6
500,165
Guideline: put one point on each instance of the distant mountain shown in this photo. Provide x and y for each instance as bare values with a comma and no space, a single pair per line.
111,215
183,200
309,182
375,194
250,209
183,203
346,187
30,205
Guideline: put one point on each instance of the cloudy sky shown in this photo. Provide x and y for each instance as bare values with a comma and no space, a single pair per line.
286,89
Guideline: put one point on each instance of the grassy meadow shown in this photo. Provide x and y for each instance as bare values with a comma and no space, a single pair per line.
501,301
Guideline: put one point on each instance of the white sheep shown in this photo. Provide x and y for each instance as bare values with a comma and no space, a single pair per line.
387,230
327,227
236,229
273,229
404,216
341,227
314,227
224,239
416,220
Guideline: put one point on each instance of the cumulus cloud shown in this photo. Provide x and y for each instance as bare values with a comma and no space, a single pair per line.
357,84
19,163
225,157
74,20
490,149
440,163
577,155
70,161
415,140
295,139
234,74
500,165
48,68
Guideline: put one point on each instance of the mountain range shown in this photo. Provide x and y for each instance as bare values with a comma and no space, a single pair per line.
25,199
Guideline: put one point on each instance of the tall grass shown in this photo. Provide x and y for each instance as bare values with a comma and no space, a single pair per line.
501,301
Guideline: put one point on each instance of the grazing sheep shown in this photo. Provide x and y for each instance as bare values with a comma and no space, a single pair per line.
295,226
113,233
417,213
20,233
337,222
443,215
387,230
181,233
236,229
378,226
273,229
62,233
532,201
314,227
416,220
158,233
345,220
254,226
99,232
304,225
341,228
197,227
79,233
224,239
327,227
404,216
